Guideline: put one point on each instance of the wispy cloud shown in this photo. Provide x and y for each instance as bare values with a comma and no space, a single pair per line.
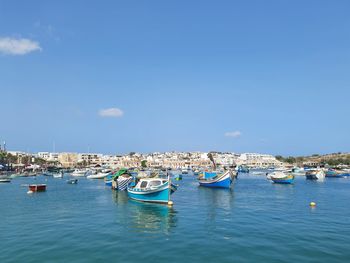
111,112
18,46
234,134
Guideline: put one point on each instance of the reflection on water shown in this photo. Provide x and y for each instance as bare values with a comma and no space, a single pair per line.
145,217
217,198
219,203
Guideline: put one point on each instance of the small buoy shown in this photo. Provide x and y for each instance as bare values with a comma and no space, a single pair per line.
312,204
29,192
170,203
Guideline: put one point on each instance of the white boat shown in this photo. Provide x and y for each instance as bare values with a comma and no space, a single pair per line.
98,175
80,172
316,174
58,175
5,179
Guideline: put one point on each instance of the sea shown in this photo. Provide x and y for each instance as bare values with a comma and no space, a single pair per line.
255,221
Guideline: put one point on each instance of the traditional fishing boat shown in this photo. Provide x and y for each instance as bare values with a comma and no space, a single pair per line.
316,174
122,179
109,179
335,173
122,182
155,190
37,187
282,178
216,180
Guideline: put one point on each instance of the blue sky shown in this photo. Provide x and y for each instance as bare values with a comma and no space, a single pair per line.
121,76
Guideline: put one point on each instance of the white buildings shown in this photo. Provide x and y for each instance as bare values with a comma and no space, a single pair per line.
258,160
44,155
157,159
51,157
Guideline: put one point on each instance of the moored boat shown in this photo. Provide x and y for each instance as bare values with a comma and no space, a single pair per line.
282,178
154,190
5,180
335,173
80,172
100,175
37,187
317,174
121,179
216,180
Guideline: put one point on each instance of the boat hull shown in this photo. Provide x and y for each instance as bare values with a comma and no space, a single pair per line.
160,195
315,175
98,176
5,180
283,181
311,177
109,183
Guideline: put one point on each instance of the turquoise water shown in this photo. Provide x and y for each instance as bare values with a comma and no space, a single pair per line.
255,222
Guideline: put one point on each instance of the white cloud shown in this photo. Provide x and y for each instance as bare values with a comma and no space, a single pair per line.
18,46
111,112
234,134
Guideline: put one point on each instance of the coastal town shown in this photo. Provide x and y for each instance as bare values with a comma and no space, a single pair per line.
157,159
172,160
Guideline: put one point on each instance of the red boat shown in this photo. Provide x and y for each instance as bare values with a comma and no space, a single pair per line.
37,187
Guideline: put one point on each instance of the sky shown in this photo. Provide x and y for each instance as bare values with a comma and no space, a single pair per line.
121,76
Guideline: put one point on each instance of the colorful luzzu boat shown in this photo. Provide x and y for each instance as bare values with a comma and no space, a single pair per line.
282,178
109,179
333,173
154,190
216,180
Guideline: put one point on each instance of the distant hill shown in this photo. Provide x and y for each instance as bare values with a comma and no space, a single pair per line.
331,159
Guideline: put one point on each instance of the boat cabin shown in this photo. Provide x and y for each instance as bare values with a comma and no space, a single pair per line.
149,183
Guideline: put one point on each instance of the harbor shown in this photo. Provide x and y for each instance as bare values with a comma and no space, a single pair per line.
90,222
174,131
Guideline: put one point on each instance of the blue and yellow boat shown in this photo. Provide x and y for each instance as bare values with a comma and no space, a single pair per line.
282,178
336,173
216,180
154,190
